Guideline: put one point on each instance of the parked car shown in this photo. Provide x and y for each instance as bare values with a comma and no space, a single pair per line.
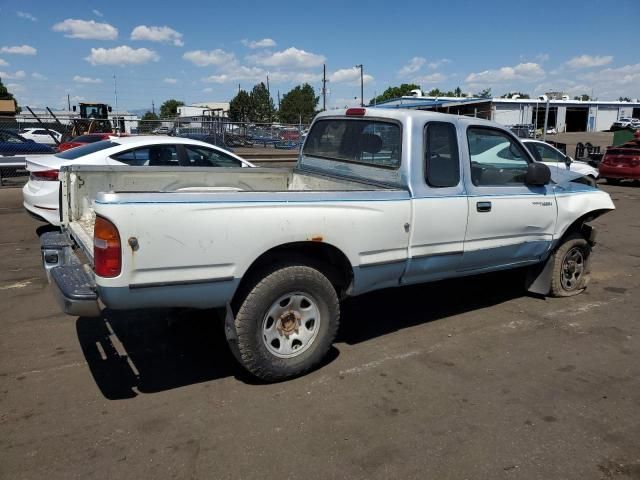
621,162
625,122
13,144
40,135
554,158
85,139
380,198
161,130
41,193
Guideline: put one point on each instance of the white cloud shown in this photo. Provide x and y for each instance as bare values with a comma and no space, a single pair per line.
13,76
524,71
412,66
19,50
264,43
238,73
3,63
170,80
430,78
207,90
626,75
121,55
157,34
437,63
349,75
97,13
86,29
38,76
26,16
203,58
542,57
15,87
291,57
80,79
589,61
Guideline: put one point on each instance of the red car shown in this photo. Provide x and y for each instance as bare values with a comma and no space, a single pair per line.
622,162
84,139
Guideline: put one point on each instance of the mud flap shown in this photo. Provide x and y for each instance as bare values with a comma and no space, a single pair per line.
231,334
539,277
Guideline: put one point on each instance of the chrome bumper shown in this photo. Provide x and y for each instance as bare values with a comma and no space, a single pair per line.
73,282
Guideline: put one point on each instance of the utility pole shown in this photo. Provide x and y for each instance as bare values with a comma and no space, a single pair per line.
269,104
153,107
324,87
238,89
278,100
115,93
546,121
361,67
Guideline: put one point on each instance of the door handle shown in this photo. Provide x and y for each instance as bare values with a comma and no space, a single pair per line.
483,206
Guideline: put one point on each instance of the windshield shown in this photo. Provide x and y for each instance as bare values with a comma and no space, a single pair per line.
370,142
78,152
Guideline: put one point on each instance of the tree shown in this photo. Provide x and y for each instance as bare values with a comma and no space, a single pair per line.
148,122
486,93
299,105
624,99
395,92
169,109
240,107
584,97
6,95
262,104
511,94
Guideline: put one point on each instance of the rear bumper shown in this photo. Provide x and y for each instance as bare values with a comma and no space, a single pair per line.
72,281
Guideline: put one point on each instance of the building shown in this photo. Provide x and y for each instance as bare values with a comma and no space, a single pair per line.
204,109
565,115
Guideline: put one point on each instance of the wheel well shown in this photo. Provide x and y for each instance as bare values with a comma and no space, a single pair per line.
330,260
579,225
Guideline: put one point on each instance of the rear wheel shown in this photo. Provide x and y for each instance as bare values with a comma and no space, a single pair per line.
571,267
286,322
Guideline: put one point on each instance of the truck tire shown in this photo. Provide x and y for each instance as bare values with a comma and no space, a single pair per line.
286,322
571,267
613,181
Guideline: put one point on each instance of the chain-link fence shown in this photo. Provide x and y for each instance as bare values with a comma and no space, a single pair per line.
23,136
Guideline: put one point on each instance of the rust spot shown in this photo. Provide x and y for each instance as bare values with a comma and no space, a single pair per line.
317,238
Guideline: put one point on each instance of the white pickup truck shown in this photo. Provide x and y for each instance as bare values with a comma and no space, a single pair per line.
379,198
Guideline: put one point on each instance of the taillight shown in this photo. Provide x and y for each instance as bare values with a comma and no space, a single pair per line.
107,256
44,175
356,111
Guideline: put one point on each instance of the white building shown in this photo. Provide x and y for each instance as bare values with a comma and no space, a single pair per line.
204,109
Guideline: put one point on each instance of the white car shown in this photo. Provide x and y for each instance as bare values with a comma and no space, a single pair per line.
552,157
625,122
41,193
40,135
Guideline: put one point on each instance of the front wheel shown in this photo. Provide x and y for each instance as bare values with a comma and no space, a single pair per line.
286,323
571,267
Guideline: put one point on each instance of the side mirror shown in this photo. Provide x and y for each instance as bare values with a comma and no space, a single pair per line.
568,160
109,108
537,174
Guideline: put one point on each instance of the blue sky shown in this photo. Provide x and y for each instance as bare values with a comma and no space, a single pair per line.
200,51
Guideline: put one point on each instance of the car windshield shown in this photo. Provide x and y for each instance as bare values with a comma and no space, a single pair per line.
78,152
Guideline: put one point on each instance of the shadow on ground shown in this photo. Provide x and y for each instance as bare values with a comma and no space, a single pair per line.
156,350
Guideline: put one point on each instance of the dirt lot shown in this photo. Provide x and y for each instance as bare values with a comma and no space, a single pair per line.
460,379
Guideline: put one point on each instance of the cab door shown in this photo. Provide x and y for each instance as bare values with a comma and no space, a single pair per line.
509,222
439,218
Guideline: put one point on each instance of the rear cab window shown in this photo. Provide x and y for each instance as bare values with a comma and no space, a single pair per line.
78,152
364,141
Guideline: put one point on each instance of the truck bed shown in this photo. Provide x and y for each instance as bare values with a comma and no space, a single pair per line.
82,185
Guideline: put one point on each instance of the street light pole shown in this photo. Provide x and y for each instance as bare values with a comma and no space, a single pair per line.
361,84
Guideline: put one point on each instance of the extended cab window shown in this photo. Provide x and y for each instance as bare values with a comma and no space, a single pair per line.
496,158
371,142
442,168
